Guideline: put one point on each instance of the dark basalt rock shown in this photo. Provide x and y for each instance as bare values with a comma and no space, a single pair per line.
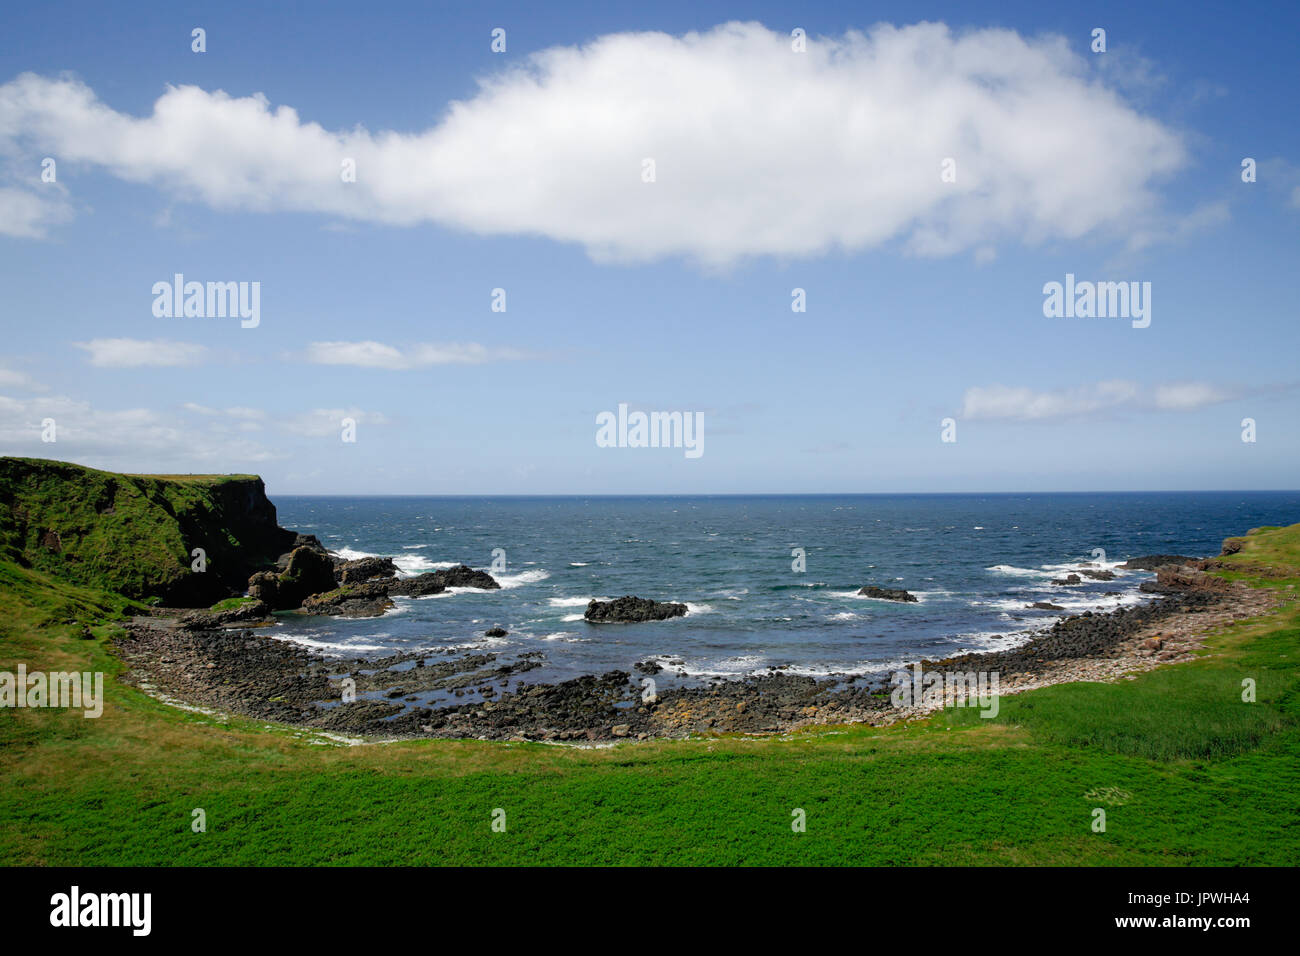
1098,575
307,572
1069,579
1151,562
463,576
1044,606
495,632
1172,579
417,586
300,540
351,600
887,594
630,609
365,569
648,667
253,612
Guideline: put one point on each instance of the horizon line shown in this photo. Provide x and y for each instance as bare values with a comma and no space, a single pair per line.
791,494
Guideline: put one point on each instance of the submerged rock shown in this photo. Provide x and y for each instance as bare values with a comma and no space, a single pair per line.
630,609
887,594
1098,575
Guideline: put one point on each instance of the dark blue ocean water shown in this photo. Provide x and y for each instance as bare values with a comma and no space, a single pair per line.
974,561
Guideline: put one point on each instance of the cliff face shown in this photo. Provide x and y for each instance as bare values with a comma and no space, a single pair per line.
136,534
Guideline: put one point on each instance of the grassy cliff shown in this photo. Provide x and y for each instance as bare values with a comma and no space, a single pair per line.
135,534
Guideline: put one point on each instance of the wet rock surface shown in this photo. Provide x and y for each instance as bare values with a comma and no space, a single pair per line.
1150,562
887,594
249,613
361,570
632,609
351,600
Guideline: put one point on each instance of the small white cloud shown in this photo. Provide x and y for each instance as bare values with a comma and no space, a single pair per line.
1007,403
1002,402
1185,396
245,414
378,355
134,353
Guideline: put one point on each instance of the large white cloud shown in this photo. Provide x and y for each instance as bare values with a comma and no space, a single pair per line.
758,149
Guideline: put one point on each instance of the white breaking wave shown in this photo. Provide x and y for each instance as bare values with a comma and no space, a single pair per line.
573,601
508,581
351,554
409,565
330,648
728,667
1020,572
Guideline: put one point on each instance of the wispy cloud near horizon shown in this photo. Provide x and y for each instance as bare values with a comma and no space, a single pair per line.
369,354
1009,403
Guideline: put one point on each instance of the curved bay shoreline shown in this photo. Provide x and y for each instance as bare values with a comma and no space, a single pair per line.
240,671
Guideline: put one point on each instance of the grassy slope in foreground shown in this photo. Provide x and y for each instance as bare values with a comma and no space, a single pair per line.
1187,773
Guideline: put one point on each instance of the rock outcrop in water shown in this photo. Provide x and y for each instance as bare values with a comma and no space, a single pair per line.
463,576
372,596
632,610
308,572
351,600
362,570
1103,575
888,594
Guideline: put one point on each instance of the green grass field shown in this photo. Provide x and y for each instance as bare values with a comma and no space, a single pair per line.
1186,771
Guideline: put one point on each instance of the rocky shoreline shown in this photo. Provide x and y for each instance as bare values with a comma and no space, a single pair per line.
237,670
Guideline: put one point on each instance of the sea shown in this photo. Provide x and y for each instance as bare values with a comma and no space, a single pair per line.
769,581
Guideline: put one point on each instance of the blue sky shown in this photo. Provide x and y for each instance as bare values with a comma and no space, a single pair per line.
673,295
